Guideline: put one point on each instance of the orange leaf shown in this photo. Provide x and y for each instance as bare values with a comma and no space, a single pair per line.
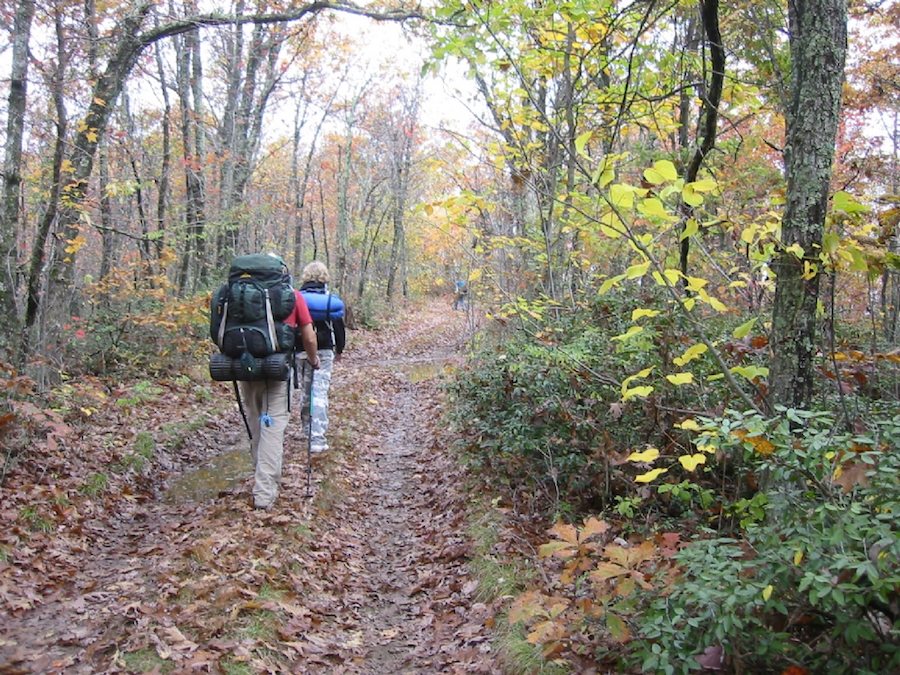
592,526
608,570
565,532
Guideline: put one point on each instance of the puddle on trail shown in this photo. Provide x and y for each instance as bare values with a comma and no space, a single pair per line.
221,473
428,370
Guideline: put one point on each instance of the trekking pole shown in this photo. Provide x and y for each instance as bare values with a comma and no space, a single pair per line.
312,377
237,394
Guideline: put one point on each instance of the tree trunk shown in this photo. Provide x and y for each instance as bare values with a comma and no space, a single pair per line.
818,32
12,170
107,235
709,10
105,92
39,248
165,169
400,163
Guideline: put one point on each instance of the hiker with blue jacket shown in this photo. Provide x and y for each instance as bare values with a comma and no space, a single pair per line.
327,311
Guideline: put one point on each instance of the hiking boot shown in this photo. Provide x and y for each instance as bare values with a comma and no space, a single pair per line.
318,449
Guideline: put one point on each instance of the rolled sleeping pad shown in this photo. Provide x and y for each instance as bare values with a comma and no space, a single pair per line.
248,368
323,306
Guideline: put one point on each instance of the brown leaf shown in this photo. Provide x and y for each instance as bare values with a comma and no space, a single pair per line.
565,532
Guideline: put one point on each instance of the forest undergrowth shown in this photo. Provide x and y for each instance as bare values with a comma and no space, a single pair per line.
682,532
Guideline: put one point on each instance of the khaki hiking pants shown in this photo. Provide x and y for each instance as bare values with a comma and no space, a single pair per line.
267,442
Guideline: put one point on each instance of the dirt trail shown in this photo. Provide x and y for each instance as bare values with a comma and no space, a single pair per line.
367,577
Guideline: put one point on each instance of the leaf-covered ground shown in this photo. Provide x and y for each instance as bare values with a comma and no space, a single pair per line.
118,555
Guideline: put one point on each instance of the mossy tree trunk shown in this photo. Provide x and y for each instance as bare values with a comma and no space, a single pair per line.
818,35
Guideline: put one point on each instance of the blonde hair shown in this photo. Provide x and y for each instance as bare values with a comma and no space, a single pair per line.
315,271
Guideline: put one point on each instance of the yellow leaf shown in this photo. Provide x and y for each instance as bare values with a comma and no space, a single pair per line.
647,455
641,313
475,274
666,169
715,303
690,197
690,228
610,232
796,249
650,476
621,196
680,378
696,283
742,330
690,354
703,185
654,177
653,208
637,270
582,141
810,270
641,392
688,425
662,171
630,333
767,592
707,448
691,462
748,234
609,283
637,376
798,557
750,372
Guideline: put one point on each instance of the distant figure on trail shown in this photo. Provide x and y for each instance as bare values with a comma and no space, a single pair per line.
258,320
460,300
327,311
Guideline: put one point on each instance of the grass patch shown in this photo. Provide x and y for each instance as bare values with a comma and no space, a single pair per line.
519,655
144,445
502,577
233,667
176,433
302,531
35,521
146,660
267,592
142,392
94,484
261,625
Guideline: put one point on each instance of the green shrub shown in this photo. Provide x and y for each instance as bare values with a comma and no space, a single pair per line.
542,410
815,579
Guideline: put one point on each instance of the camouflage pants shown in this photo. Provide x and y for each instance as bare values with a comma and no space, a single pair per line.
321,381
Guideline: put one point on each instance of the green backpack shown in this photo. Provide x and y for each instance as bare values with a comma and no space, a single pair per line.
246,321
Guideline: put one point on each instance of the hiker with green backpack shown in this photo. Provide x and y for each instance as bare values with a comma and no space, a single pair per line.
258,320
